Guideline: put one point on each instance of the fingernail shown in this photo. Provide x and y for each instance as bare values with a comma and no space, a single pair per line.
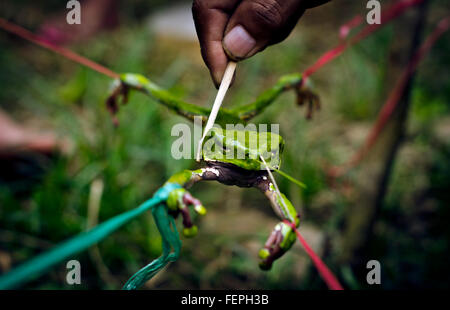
239,42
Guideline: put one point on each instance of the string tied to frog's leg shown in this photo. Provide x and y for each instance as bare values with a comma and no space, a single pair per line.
171,249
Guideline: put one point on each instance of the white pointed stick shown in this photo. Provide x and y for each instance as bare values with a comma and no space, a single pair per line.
224,85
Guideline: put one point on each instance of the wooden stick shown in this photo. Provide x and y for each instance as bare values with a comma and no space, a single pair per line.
224,85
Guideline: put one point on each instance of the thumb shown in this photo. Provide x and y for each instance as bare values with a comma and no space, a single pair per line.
255,24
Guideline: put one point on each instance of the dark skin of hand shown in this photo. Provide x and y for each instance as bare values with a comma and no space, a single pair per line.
238,29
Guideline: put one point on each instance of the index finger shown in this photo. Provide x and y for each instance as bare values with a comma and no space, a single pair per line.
211,18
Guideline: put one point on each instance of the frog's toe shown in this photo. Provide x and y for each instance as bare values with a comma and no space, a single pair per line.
269,255
200,209
178,202
266,259
188,199
305,94
190,232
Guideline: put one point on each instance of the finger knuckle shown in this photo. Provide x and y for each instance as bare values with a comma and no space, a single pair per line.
268,13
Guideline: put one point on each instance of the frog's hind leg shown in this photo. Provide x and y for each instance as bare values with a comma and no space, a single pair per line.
283,235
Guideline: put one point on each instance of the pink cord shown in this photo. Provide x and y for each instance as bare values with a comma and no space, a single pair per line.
29,36
387,15
325,273
395,95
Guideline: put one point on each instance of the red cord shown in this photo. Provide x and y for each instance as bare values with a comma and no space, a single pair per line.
386,16
325,273
394,97
345,29
27,35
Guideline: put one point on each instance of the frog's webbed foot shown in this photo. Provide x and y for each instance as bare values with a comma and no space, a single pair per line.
178,202
118,94
306,95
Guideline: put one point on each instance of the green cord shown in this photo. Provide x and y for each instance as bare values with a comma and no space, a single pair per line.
38,265
171,239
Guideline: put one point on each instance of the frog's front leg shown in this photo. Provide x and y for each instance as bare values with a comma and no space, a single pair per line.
180,199
282,236
138,82
127,81
303,89
248,111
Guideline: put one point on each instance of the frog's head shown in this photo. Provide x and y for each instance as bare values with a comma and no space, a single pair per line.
243,148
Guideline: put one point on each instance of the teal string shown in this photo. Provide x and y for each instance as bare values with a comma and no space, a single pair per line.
171,240
38,265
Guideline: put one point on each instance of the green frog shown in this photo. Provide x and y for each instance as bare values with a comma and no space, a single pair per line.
231,157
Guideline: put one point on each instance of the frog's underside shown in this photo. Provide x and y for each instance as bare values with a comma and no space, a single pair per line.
282,236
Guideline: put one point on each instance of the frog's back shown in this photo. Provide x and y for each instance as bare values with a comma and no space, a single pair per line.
243,148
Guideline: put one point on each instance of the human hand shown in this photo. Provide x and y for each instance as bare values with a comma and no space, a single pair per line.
238,29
